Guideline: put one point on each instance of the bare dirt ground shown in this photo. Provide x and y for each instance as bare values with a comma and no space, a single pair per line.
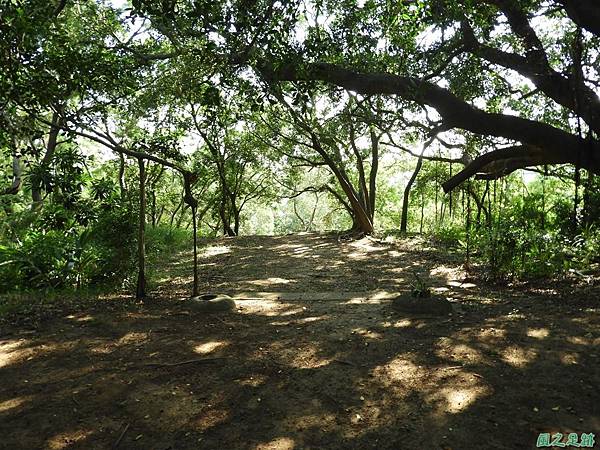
314,358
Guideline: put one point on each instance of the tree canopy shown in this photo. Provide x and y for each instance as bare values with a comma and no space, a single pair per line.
245,103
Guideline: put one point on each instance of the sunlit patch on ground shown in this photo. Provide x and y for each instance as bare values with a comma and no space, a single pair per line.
210,347
270,281
13,403
402,323
461,284
517,356
304,320
400,370
579,340
80,318
66,440
281,443
132,338
368,334
450,274
538,333
569,358
9,352
269,308
215,250
491,335
308,358
371,298
454,399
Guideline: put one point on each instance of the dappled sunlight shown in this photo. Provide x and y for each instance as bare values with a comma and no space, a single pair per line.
308,358
300,250
375,298
491,334
132,338
10,351
461,284
67,439
319,361
210,347
270,281
368,334
461,353
280,443
450,275
357,256
210,418
298,321
270,308
366,245
579,340
455,400
569,358
13,403
400,370
286,246
403,323
80,318
518,357
214,250
538,333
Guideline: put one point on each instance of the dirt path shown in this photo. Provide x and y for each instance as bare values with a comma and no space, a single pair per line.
314,358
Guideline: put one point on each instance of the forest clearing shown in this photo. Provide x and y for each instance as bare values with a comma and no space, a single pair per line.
314,357
299,224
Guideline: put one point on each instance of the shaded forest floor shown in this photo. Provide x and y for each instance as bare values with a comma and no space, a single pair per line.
314,357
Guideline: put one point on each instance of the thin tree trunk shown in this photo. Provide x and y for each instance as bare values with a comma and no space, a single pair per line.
373,173
36,192
195,291
298,215
188,180
314,211
122,184
141,281
422,211
406,198
450,199
15,186
160,214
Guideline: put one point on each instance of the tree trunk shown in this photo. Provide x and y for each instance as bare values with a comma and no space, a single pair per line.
360,216
141,281
153,208
422,211
174,213
373,174
36,191
404,216
188,181
195,231
15,186
122,185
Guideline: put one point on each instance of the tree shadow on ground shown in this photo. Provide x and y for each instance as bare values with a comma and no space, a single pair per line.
337,373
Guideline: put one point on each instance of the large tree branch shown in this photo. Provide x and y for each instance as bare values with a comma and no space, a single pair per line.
501,162
569,92
585,13
556,145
